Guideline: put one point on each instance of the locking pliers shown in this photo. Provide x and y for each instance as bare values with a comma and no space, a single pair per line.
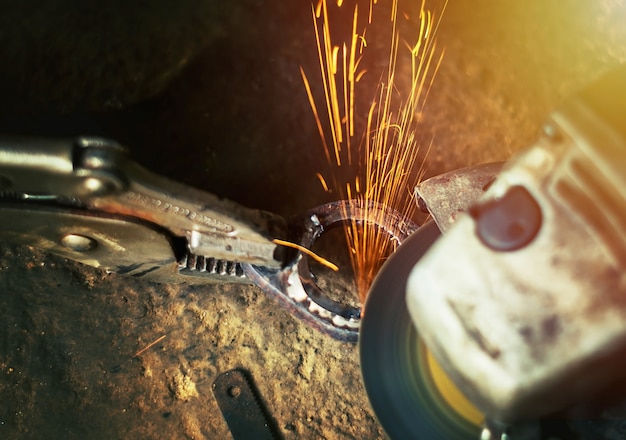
86,200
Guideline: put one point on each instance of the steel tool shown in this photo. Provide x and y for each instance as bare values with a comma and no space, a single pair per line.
86,200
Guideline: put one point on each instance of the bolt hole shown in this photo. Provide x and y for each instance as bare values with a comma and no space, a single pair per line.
234,391
78,243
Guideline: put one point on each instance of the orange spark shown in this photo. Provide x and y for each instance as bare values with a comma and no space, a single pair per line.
382,146
322,181
310,253
150,345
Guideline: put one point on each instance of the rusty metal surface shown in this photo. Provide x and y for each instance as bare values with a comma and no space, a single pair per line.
447,195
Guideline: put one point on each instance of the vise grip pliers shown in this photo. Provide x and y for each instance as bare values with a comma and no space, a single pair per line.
86,200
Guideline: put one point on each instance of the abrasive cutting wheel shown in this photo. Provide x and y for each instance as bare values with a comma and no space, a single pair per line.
410,394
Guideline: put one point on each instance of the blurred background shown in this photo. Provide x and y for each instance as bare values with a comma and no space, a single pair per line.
210,93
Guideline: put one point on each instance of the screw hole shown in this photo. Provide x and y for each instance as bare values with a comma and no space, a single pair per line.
234,391
78,243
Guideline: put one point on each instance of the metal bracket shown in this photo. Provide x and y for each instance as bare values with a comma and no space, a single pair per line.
241,408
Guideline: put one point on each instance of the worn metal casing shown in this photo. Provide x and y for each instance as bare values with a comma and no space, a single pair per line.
527,331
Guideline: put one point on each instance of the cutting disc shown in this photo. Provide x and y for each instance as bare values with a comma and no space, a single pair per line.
405,386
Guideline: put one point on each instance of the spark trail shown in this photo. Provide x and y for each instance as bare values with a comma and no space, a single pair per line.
372,154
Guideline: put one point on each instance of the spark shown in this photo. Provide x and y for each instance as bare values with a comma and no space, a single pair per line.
322,182
309,252
379,147
149,346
